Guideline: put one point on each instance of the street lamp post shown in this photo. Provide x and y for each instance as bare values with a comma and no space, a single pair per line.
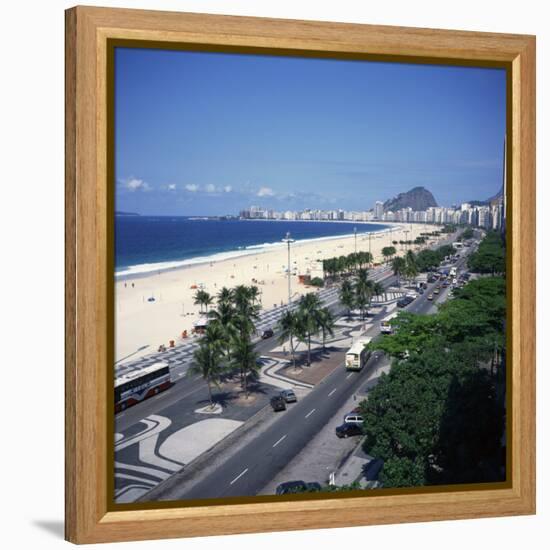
288,240
370,255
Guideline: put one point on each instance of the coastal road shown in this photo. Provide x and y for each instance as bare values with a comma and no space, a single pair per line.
181,357
186,386
256,464
252,467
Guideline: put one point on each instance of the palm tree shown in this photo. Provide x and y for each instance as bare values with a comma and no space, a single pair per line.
398,265
225,317
411,271
253,293
244,357
388,252
225,295
308,307
411,268
363,275
346,296
208,358
326,322
288,325
223,314
241,296
202,298
246,311
410,257
362,291
378,289
241,327
208,300
363,296
198,298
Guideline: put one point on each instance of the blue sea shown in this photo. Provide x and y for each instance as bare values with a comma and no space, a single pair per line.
148,244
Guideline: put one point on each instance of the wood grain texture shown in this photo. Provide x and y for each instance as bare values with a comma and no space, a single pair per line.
88,518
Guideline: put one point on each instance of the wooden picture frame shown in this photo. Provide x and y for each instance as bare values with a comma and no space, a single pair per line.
89,516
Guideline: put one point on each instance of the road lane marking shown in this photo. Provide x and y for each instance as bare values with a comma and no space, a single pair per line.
275,444
310,412
332,392
240,475
349,375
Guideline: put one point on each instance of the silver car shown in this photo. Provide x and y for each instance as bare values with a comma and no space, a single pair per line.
289,396
353,418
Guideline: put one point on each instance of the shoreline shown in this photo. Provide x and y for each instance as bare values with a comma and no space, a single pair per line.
127,274
153,308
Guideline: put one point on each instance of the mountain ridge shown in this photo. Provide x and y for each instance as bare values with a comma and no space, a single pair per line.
417,198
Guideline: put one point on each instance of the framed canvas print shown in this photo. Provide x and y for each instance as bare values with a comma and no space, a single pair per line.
299,274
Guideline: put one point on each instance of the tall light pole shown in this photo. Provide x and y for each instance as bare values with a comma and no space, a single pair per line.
370,255
288,240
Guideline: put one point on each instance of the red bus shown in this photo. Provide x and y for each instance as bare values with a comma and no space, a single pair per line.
135,386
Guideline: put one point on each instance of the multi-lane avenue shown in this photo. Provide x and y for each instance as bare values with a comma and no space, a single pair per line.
248,470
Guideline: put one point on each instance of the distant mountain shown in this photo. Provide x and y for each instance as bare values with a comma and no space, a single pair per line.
495,199
418,198
126,214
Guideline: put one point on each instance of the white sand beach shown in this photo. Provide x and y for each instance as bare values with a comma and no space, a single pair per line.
143,325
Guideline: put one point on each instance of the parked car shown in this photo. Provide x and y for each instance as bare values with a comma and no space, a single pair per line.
436,290
420,290
402,303
289,396
424,286
278,403
347,429
409,299
299,486
268,333
353,418
430,296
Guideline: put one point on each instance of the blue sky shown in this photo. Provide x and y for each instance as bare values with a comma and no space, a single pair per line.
208,134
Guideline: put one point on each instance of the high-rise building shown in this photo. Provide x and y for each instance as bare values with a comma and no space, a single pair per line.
378,210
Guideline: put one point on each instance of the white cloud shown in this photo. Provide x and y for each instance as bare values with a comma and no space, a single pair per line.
265,192
172,187
210,188
228,188
192,187
135,184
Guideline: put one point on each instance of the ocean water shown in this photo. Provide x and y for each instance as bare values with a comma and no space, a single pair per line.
146,244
